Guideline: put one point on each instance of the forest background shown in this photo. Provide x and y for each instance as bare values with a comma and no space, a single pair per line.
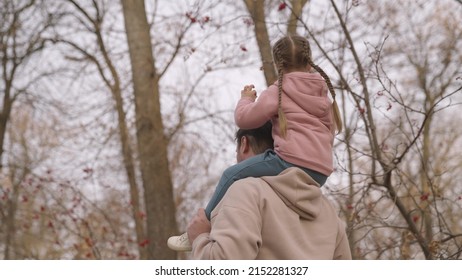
116,119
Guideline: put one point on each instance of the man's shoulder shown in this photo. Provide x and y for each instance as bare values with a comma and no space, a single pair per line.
249,189
250,184
245,195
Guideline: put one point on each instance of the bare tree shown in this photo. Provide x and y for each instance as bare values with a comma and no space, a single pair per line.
23,36
152,143
257,12
93,20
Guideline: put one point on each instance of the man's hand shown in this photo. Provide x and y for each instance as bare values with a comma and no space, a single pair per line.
199,224
249,91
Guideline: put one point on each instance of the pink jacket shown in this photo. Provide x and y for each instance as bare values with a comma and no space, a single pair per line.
284,217
308,109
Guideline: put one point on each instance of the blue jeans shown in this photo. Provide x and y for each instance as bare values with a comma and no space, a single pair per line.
265,164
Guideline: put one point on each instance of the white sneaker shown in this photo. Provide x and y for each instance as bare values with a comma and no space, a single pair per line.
179,243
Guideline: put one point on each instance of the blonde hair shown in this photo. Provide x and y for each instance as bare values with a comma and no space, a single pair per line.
294,52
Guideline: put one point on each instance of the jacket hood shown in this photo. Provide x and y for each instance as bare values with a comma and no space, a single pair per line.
298,191
308,91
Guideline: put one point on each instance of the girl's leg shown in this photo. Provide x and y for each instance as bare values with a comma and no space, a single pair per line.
318,177
266,164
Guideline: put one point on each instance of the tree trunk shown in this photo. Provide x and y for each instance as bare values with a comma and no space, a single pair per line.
131,176
297,9
152,144
4,118
257,12
10,223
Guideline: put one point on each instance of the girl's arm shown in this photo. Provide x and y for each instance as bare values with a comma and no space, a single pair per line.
250,114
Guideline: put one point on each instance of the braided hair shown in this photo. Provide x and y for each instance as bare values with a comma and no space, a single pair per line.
294,52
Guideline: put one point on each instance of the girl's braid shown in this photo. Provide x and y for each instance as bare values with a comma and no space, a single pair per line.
336,112
281,116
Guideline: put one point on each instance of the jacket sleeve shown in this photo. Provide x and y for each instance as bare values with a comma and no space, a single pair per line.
236,229
249,114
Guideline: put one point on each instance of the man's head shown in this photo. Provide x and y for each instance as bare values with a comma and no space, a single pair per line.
251,142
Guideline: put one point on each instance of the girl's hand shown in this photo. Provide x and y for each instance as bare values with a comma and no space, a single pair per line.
249,91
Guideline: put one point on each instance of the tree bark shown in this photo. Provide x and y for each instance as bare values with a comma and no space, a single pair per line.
152,144
297,9
257,12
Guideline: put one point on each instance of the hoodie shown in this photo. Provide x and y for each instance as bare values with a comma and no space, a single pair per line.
308,110
274,218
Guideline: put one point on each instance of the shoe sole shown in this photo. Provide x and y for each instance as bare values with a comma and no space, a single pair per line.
178,248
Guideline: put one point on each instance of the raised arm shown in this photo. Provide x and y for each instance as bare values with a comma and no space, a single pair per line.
250,114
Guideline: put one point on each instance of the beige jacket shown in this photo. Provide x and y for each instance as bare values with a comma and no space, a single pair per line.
279,217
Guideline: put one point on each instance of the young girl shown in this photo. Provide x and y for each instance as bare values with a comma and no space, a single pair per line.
303,123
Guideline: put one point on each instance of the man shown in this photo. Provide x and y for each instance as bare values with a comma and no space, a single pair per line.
274,217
